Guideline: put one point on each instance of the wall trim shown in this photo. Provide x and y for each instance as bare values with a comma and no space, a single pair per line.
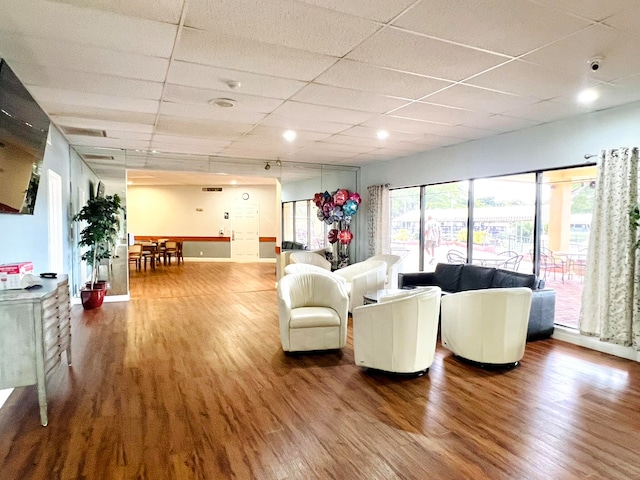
571,335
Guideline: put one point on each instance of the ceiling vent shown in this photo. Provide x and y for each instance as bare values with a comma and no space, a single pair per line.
211,189
84,132
98,157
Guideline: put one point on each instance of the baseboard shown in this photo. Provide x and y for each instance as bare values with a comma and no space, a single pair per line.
571,335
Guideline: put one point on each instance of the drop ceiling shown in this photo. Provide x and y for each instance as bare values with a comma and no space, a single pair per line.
432,73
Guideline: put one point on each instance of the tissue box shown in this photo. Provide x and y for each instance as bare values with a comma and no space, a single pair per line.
11,274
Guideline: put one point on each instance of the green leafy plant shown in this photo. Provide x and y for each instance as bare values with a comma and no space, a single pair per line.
101,229
634,221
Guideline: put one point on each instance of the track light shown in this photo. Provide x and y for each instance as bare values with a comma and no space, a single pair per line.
267,166
278,163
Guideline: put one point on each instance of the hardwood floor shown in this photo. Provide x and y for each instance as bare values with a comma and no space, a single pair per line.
189,381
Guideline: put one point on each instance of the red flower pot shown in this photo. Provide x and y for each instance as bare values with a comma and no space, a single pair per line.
92,298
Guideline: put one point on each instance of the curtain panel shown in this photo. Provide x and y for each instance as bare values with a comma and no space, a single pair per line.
378,220
611,296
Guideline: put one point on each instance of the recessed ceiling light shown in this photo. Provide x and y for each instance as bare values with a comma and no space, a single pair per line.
223,102
589,95
382,134
289,135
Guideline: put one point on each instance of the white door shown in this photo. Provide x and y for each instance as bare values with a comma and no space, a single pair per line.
56,255
245,240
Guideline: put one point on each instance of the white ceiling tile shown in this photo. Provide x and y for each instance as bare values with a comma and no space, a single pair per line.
96,124
618,93
327,114
282,22
409,52
478,99
309,124
39,51
498,25
186,140
344,149
502,123
437,113
593,9
84,99
192,148
255,153
65,79
397,124
274,134
362,76
146,136
621,54
161,10
180,126
191,95
527,79
107,142
546,111
626,19
379,10
60,21
469,133
394,152
344,98
343,139
204,76
210,112
370,133
212,48
96,113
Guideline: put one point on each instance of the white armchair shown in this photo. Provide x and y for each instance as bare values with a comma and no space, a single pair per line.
362,277
313,312
394,263
487,326
398,334
310,258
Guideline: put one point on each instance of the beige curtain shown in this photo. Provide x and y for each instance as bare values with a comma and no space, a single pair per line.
378,220
610,297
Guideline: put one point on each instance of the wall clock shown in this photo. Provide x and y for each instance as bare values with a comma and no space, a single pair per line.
245,196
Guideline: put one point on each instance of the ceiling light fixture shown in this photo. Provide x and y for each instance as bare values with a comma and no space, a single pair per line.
278,163
267,166
234,182
382,134
233,84
290,135
223,102
589,95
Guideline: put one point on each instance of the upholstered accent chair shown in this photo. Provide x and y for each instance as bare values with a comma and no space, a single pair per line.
398,334
487,326
394,263
362,277
313,312
310,258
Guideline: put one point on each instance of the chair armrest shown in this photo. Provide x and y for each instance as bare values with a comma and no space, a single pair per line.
542,316
416,279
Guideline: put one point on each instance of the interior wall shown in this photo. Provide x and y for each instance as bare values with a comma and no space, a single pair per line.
26,237
188,211
553,145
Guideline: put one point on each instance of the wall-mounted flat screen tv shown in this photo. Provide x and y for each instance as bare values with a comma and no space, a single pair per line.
23,137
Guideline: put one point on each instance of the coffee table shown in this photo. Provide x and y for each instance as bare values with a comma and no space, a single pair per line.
374,296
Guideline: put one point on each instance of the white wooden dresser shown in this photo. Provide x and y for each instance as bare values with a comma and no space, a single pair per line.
35,328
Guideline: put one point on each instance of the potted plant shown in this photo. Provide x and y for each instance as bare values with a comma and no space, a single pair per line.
101,229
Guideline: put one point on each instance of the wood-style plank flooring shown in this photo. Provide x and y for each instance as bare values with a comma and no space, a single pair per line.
189,381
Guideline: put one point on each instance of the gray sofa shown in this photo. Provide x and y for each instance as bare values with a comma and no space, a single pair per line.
459,277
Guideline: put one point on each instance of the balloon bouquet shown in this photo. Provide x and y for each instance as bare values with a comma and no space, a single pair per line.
337,209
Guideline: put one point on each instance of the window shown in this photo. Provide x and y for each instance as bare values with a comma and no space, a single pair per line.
300,224
405,226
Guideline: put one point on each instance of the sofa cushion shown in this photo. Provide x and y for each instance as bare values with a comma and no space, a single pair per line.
474,277
447,276
507,279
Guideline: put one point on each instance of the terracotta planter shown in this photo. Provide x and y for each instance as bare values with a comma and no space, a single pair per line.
92,298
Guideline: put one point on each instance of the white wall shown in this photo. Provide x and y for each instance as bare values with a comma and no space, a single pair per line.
173,210
553,145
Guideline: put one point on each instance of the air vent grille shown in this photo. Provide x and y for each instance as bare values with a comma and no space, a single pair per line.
211,189
84,132
98,157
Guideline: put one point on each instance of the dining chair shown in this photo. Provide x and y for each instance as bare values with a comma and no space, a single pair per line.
135,255
150,252
454,256
179,256
170,250
551,263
